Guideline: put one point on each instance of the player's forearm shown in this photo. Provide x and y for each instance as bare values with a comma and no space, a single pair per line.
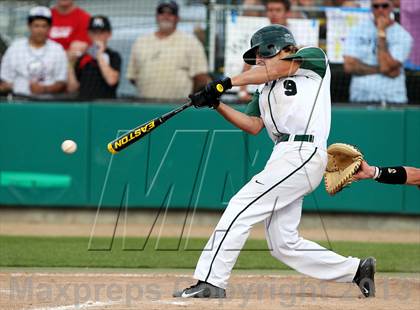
110,75
255,76
389,175
249,124
244,69
387,64
356,67
270,71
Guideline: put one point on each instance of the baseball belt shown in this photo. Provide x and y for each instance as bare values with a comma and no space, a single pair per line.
300,138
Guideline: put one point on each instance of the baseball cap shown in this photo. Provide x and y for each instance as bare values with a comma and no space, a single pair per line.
39,12
99,22
167,6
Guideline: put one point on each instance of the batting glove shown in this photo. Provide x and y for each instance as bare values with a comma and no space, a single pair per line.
219,87
204,98
209,96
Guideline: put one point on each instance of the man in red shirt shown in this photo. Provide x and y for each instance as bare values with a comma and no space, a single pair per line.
70,27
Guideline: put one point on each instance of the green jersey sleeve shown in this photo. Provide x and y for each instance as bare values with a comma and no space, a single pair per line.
253,108
313,58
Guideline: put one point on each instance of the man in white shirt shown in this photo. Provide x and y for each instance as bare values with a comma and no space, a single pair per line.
374,53
34,65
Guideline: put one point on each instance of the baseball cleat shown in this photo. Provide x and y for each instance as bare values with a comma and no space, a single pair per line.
365,276
201,290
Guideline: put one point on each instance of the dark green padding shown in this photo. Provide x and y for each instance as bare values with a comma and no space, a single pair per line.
195,159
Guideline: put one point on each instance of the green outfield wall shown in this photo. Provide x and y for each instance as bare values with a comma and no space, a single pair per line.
196,159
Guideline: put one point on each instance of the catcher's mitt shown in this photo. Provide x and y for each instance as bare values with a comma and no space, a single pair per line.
343,162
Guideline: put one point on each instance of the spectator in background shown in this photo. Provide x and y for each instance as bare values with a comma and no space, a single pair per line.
34,65
276,11
374,54
167,64
69,28
97,72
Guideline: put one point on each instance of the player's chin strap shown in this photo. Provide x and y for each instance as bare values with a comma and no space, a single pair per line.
390,175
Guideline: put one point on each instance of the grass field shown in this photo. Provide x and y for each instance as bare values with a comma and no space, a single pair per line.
16,251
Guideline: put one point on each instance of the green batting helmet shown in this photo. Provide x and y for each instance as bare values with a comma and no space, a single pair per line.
268,41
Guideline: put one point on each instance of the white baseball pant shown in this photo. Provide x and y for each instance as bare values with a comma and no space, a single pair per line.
275,196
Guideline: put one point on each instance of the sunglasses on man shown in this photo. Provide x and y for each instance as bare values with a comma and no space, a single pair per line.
376,6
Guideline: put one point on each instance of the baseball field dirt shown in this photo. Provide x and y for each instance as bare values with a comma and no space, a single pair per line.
92,288
145,289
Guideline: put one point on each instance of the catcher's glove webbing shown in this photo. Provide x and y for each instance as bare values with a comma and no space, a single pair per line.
343,162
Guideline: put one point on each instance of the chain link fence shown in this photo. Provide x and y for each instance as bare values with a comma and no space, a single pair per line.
223,28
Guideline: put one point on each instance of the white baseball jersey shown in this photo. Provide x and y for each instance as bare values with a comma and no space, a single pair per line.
22,64
298,104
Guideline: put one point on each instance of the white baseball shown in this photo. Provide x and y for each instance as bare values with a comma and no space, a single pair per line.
69,146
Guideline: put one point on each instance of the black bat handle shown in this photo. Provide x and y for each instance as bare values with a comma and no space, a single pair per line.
168,115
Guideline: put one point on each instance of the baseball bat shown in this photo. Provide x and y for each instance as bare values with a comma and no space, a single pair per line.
139,132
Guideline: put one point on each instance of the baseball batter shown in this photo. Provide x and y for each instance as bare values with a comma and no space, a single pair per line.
293,104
